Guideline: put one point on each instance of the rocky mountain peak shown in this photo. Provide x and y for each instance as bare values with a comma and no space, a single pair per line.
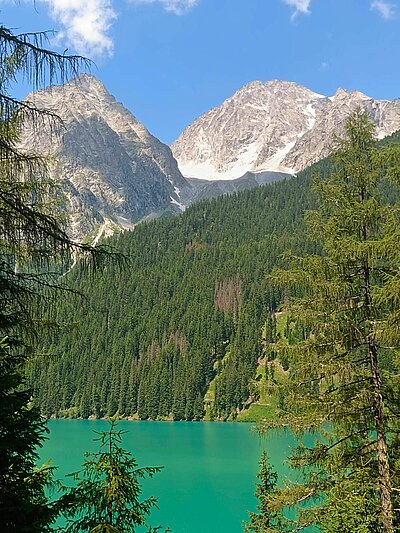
252,130
277,126
83,82
114,172
87,82
343,94
261,91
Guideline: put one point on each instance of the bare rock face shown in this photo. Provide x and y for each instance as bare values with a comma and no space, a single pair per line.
112,170
114,173
317,143
276,126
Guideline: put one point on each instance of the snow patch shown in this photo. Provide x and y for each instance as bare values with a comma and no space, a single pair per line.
205,170
274,162
181,206
311,113
124,222
246,162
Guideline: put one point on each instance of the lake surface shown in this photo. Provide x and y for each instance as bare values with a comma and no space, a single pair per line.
209,474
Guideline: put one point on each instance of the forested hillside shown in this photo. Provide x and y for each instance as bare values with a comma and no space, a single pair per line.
149,339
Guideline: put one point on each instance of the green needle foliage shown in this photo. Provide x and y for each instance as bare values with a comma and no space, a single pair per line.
23,504
357,512
107,495
343,373
33,243
266,520
29,234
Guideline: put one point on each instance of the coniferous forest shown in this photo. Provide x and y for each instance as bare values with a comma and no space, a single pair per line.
188,310
192,308
278,305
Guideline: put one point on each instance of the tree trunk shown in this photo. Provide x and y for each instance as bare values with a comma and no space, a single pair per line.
381,447
379,413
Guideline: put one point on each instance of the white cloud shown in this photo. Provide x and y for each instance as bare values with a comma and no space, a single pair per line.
300,6
324,66
179,7
84,24
385,9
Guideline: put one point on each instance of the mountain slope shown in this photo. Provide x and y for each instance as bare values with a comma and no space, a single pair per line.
202,189
274,126
180,332
113,171
147,341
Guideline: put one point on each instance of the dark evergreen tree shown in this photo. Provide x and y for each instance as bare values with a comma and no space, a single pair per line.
266,520
23,503
107,494
32,243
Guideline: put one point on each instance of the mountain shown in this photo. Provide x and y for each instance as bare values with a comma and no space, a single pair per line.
181,333
275,126
201,189
113,172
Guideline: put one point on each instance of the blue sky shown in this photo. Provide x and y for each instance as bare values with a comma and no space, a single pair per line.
168,61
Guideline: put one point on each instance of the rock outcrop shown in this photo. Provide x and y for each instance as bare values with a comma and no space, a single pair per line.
275,126
113,172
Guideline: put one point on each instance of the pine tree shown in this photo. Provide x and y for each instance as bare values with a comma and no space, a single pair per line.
266,520
32,241
107,493
339,387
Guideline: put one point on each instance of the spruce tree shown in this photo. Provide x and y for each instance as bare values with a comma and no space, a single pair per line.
266,520
339,378
106,497
23,503
32,242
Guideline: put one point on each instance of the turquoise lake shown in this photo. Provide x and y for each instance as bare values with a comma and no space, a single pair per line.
209,474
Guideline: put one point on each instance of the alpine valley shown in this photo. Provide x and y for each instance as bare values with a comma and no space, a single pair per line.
199,270
182,333
114,173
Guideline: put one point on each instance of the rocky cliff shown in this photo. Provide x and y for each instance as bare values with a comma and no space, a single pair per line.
112,170
274,126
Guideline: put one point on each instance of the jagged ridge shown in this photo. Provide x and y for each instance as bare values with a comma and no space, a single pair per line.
274,126
113,171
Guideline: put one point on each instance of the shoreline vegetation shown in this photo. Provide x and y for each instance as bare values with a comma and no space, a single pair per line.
242,417
137,419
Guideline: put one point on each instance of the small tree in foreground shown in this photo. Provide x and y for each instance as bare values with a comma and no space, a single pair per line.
265,520
107,496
